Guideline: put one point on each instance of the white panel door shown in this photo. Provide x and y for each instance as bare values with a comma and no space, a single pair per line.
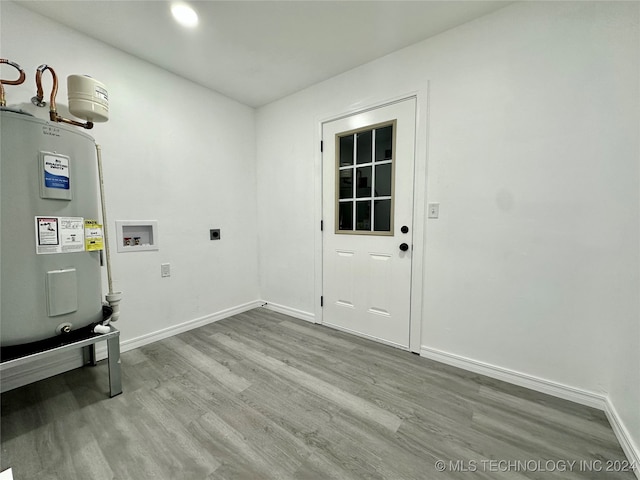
368,162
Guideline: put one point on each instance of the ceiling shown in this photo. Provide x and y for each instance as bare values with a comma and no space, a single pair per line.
259,51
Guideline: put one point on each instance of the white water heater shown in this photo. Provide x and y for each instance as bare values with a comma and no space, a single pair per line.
50,239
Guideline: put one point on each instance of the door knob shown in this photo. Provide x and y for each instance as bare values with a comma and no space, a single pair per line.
404,247
404,229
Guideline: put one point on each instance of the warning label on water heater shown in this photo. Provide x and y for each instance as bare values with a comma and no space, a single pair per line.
56,172
93,239
59,235
47,230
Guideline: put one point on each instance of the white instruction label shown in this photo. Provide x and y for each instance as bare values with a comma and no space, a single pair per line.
59,235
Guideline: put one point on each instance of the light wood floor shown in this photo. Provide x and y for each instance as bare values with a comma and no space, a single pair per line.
261,395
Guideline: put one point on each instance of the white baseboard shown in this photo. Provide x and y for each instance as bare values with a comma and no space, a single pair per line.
631,450
566,392
131,344
560,390
48,367
292,312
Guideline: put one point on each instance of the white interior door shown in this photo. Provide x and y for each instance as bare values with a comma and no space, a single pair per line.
367,163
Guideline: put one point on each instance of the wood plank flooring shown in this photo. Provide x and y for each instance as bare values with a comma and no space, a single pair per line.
264,396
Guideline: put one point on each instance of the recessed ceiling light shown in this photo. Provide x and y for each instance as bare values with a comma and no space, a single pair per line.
184,14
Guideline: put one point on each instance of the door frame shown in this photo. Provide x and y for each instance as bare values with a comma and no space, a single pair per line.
419,206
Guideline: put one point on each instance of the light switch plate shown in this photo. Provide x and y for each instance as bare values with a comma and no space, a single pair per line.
165,269
434,210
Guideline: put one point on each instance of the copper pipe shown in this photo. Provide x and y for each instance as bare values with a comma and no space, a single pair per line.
21,79
40,93
53,113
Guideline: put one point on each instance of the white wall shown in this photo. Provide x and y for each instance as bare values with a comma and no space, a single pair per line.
174,152
533,265
533,155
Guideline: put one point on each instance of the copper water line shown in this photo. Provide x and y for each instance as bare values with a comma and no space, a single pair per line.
37,100
3,101
53,113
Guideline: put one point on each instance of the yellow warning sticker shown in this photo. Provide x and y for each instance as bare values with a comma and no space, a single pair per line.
93,237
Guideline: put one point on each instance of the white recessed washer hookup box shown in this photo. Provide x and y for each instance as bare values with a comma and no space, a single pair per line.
136,235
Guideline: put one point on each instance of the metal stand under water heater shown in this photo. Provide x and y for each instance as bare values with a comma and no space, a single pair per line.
52,242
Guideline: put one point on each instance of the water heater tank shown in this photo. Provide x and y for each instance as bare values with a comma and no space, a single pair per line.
49,275
88,98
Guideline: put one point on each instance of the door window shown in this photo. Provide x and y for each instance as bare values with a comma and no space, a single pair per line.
365,180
